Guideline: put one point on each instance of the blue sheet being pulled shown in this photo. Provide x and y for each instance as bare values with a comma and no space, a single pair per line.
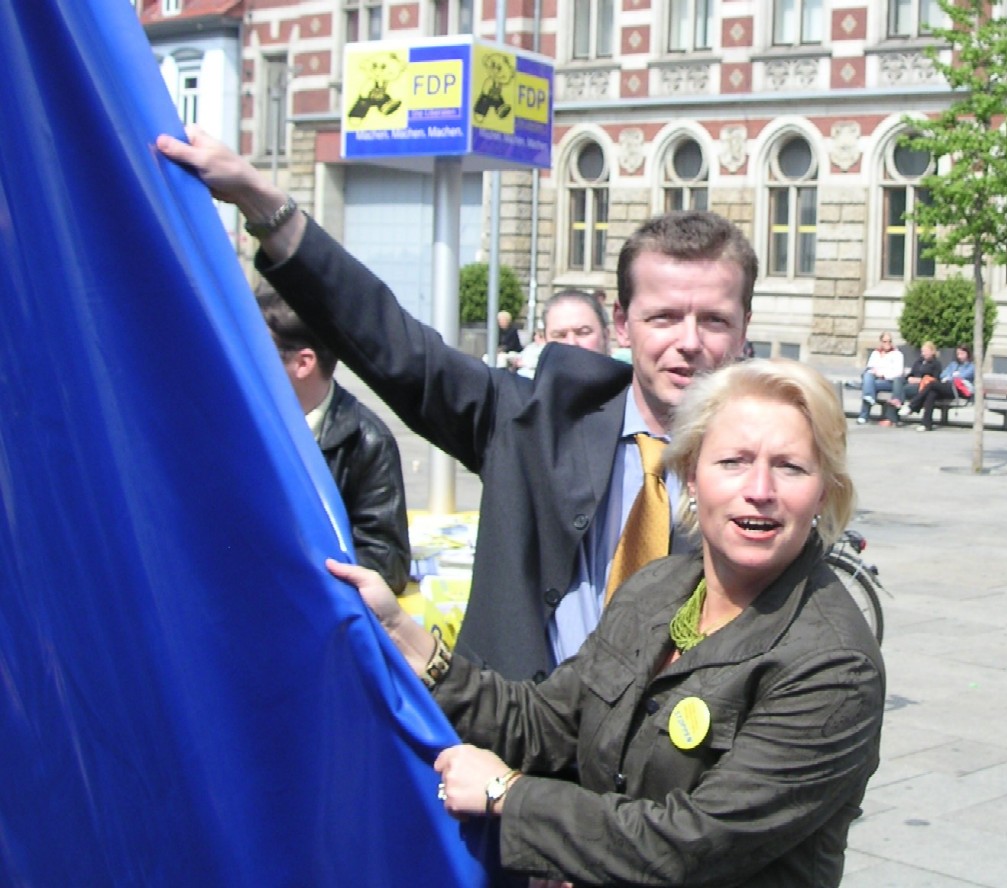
188,699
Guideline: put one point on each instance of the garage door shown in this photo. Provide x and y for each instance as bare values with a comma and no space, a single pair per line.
389,226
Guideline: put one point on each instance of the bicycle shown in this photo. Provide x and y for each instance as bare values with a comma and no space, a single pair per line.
859,577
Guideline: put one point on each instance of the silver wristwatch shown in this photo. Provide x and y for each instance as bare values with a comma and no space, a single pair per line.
497,788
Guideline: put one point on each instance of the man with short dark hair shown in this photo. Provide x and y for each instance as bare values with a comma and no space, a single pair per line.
558,454
576,318
358,447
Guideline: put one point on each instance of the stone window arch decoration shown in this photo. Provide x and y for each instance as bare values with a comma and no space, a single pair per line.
733,147
632,149
844,151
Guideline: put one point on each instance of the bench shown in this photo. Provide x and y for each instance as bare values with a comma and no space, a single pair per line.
995,393
941,406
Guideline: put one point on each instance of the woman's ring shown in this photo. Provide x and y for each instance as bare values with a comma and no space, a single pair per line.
442,793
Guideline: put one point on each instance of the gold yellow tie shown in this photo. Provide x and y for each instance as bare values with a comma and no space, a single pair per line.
648,527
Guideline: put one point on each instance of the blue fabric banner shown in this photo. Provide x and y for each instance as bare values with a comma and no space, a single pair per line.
188,698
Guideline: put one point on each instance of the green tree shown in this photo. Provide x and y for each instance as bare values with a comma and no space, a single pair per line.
964,215
941,311
473,284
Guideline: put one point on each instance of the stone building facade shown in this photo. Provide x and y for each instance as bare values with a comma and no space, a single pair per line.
785,116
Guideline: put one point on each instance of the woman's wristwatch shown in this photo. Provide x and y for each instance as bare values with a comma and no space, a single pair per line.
497,788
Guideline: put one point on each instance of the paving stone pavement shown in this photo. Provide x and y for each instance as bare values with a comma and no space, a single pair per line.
935,811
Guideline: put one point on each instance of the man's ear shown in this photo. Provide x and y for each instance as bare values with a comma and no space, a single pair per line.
620,322
305,363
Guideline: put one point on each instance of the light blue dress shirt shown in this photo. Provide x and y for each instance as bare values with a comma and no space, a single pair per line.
580,610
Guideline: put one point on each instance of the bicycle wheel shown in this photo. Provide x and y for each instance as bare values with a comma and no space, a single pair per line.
860,583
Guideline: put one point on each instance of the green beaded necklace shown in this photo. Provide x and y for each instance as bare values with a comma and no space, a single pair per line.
684,626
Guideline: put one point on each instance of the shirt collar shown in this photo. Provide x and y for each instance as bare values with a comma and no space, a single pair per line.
316,417
633,422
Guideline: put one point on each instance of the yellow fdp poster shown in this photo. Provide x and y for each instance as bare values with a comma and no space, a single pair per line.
447,97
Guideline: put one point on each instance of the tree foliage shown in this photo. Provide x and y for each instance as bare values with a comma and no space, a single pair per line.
962,212
941,311
965,210
473,284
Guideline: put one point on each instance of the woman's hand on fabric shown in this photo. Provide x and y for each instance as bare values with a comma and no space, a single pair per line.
465,772
380,600
414,642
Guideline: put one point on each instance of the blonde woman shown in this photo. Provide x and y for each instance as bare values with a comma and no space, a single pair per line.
725,716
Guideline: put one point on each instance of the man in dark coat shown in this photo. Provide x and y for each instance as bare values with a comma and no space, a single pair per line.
359,449
510,339
556,454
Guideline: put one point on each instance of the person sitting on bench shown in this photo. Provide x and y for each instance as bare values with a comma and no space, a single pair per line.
885,365
956,380
927,364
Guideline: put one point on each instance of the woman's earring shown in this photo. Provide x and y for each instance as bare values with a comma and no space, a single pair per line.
692,504
814,521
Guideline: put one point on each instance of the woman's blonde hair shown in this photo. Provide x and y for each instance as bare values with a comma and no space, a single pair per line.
783,381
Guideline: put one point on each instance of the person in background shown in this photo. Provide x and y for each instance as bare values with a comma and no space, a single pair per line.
576,318
725,717
358,447
885,365
526,362
956,380
906,387
572,317
510,339
561,456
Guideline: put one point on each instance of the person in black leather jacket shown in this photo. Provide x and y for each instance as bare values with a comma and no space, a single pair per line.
358,447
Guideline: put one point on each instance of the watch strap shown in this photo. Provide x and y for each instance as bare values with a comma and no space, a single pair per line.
273,223
440,662
497,788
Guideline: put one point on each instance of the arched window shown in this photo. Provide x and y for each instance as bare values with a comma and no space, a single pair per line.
684,176
587,186
902,242
793,208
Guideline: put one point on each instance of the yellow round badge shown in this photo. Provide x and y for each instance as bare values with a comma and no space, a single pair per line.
689,723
